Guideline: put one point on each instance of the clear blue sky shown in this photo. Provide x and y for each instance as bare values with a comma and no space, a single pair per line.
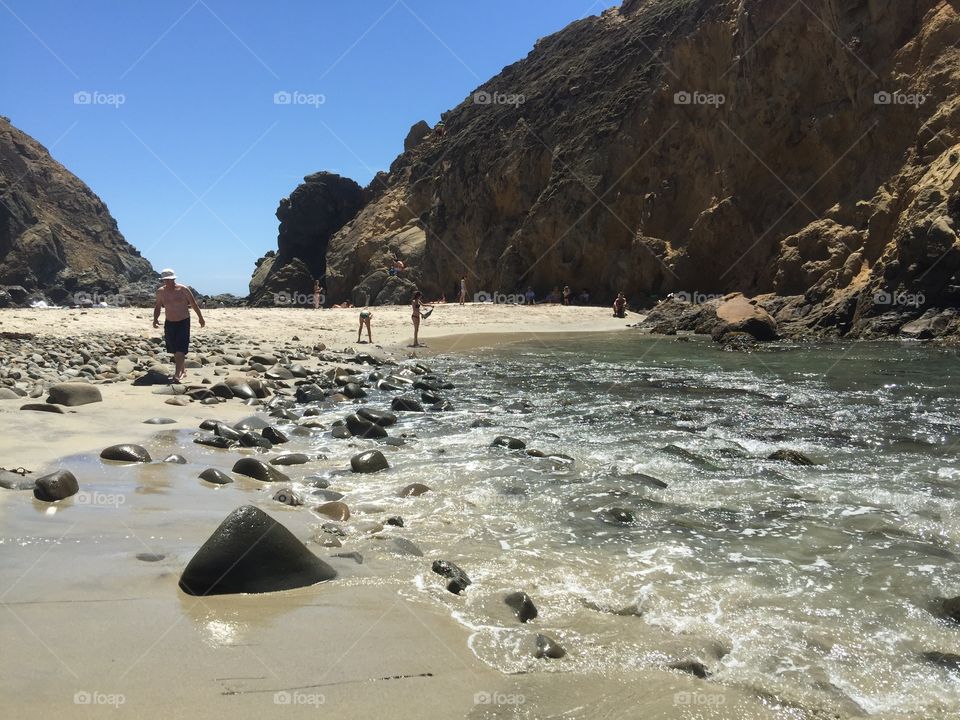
194,161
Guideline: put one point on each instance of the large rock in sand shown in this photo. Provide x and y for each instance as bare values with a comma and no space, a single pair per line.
74,393
56,486
252,553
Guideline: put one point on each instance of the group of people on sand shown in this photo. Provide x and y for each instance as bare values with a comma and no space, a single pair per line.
176,301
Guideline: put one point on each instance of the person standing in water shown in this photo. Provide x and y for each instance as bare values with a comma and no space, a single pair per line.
365,316
176,301
416,306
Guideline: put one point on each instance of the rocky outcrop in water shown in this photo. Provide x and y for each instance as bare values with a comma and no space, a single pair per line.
806,154
58,241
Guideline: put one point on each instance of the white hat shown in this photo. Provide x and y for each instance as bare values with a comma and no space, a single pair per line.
168,274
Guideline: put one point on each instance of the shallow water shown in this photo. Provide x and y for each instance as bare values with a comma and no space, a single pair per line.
807,584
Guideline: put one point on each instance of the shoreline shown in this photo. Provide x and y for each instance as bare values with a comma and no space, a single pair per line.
72,566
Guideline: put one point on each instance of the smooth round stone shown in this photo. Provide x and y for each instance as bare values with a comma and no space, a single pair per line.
225,431
334,510
327,495
275,436
251,423
279,373
242,391
396,521
126,453
72,394
353,391
457,577
150,557
405,403
222,390
250,552
508,442
43,407
370,461
15,481
317,481
290,459
547,647
413,490
619,515
259,470
56,486
214,441
180,401
363,428
159,421
175,459
286,496
252,440
341,432
217,477
522,605
378,417
8,394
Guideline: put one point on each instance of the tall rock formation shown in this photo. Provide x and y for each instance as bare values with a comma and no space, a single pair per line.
315,210
57,239
806,153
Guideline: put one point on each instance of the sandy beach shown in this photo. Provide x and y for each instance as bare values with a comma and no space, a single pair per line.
100,629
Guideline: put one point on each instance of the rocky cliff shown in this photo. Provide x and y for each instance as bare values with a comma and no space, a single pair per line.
315,210
802,153
58,241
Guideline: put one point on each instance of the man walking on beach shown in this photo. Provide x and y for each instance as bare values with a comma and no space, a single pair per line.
176,301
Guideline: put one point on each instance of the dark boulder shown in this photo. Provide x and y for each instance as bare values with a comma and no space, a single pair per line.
370,461
790,456
126,453
74,393
522,605
405,403
212,475
250,552
56,486
547,647
457,577
508,442
259,470
363,428
378,417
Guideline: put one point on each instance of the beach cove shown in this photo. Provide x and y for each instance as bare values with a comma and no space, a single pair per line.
633,501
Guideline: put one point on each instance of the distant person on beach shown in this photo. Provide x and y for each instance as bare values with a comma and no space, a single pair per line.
620,306
341,306
416,306
365,316
531,296
584,298
566,294
553,297
317,292
176,301
463,289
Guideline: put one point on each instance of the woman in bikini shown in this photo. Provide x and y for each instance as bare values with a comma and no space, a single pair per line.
417,304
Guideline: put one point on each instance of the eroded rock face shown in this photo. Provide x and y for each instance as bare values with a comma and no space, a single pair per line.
315,210
771,159
57,239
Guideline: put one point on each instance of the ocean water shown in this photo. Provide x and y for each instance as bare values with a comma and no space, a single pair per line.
658,532
811,584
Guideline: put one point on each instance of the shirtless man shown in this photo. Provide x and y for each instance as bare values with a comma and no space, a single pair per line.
176,301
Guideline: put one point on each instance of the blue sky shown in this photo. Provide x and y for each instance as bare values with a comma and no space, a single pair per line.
182,138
